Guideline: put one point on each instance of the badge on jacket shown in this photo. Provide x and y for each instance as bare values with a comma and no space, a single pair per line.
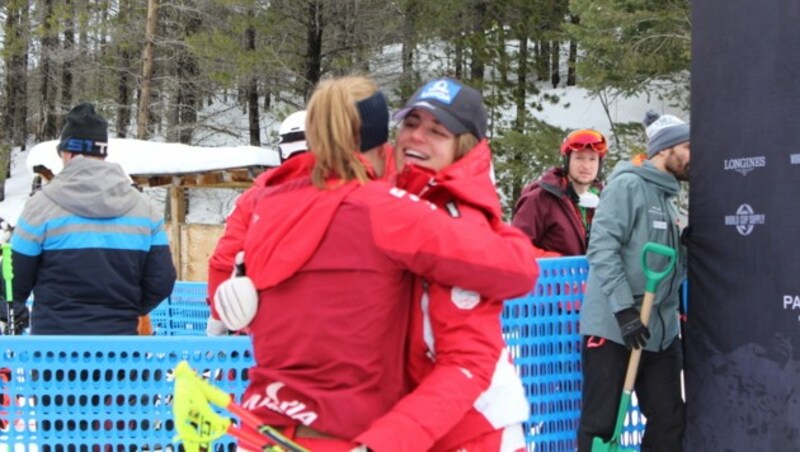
464,299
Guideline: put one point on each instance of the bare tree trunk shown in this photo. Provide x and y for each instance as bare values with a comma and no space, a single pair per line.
267,97
573,54
189,102
143,118
10,31
522,83
123,92
98,53
543,60
314,32
124,67
188,99
555,62
408,82
16,57
252,92
47,89
458,58
478,39
21,90
13,122
503,65
66,68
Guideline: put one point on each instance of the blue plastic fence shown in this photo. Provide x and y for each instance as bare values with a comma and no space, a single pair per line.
184,313
542,333
115,391
84,393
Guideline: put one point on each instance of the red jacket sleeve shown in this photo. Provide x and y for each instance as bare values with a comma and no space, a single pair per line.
495,263
468,345
220,264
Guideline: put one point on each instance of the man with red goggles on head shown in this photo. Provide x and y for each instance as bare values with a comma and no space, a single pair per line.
556,210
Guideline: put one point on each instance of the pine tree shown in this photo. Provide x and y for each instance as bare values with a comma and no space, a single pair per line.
626,45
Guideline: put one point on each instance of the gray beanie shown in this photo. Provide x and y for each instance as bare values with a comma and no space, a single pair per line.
663,132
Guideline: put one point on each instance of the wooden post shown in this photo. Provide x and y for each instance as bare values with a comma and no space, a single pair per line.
177,199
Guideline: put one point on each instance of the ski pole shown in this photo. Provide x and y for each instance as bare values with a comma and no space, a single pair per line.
192,409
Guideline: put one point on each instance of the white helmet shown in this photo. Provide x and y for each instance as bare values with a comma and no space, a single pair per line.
292,135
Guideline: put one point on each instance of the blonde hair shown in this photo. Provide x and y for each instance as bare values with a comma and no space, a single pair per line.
464,143
333,129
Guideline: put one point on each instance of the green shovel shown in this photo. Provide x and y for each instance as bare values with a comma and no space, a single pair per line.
653,278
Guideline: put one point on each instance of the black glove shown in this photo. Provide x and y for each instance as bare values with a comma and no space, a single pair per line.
634,333
21,316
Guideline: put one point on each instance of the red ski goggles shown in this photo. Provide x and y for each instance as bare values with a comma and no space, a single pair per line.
582,139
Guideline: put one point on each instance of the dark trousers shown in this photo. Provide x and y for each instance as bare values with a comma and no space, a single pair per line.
658,389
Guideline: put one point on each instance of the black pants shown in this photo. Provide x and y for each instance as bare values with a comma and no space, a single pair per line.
658,389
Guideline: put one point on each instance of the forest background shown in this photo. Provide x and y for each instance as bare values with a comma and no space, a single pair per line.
163,70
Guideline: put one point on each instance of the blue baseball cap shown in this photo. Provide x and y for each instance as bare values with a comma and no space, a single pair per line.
455,105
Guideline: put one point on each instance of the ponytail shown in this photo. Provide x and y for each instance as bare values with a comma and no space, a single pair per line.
333,129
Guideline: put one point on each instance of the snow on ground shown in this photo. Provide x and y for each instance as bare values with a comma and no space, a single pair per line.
577,108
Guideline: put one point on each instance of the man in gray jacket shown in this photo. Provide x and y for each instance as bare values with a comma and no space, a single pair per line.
636,207
91,247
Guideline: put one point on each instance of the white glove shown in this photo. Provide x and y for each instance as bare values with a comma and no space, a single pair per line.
215,328
236,302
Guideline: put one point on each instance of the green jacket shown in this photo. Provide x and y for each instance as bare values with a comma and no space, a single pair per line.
636,207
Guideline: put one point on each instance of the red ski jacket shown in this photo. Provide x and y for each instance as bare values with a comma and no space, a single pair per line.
334,272
465,382
220,264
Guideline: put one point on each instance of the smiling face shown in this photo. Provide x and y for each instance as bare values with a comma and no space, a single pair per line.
423,141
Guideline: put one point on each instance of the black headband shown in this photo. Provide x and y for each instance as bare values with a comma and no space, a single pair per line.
374,115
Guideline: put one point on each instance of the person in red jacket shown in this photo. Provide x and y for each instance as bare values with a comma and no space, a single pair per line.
467,396
331,252
556,210
292,142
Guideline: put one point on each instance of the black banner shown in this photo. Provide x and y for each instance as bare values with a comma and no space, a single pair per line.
743,333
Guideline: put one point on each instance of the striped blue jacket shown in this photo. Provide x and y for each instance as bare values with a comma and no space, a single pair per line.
94,252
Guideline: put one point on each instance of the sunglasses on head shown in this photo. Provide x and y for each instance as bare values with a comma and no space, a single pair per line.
585,138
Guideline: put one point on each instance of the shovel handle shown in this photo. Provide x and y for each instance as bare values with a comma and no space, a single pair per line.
653,276
636,354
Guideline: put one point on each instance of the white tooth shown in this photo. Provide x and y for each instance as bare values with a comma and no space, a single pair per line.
415,154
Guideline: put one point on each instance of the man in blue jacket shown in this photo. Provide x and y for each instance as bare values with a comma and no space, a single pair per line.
636,207
90,246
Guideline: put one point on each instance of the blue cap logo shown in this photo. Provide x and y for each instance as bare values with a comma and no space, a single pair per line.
442,90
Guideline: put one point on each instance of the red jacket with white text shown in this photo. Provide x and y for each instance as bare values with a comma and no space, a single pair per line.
465,382
333,270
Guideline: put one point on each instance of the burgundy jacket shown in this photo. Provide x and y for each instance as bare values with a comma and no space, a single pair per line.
547,215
